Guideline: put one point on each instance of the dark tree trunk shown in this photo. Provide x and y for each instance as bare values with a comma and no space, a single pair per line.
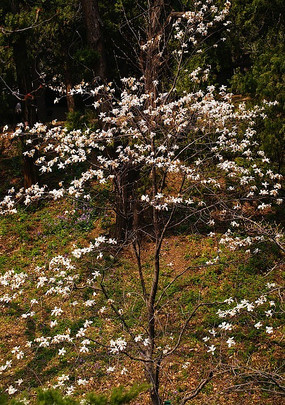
94,34
152,377
68,83
29,112
126,206
25,75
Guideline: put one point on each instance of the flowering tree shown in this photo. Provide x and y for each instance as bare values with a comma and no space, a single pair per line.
167,159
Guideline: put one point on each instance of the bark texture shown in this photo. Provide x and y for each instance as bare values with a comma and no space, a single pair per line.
94,34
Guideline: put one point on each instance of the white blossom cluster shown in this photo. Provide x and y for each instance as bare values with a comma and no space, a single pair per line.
192,125
194,25
57,284
11,282
260,312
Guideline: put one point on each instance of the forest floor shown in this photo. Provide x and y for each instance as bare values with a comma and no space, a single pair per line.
36,234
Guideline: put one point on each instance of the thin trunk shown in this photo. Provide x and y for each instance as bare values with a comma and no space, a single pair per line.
137,250
151,61
121,206
68,83
152,376
153,368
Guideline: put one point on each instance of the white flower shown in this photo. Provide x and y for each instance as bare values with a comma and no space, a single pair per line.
258,325
117,345
225,326
145,198
269,329
17,352
231,342
56,311
146,342
20,355
70,390
11,390
87,323
250,307
270,285
124,371
211,349
61,352
63,378
268,313
82,381
89,303
261,300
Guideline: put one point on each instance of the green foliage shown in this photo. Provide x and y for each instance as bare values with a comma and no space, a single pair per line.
118,396
52,397
258,54
81,120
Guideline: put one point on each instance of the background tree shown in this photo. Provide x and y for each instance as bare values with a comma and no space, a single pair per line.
95,39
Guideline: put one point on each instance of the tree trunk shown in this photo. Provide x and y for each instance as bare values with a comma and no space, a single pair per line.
68,83
121,206
29,114
126,205
28,108
127,215
151,58
152,374
94,34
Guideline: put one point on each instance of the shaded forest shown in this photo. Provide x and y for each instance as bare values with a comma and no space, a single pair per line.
47,47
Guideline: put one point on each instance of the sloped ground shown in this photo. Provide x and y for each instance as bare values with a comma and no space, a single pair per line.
36,235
